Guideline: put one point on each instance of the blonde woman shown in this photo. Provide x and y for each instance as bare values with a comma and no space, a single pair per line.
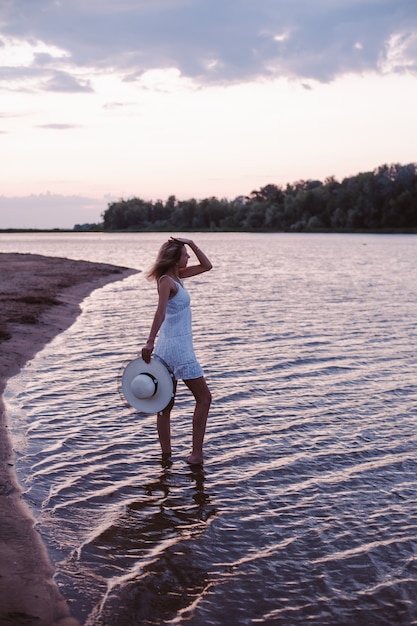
172,321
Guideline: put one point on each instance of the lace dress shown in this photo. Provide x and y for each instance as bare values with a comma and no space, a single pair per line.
175,341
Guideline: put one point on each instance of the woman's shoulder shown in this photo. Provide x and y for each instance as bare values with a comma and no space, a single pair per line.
169,281
166,278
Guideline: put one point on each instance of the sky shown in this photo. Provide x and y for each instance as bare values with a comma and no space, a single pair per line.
108,99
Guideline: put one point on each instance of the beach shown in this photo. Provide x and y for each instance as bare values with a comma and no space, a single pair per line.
40,297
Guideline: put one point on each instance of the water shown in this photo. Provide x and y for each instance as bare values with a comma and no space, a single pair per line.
306,510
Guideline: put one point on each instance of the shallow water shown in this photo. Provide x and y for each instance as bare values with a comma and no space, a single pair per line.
306,510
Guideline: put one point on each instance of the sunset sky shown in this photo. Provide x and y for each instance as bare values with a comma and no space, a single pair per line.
106,99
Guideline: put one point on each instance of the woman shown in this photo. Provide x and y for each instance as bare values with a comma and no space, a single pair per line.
175,343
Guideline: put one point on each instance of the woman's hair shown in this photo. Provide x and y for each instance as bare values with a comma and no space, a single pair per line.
169,254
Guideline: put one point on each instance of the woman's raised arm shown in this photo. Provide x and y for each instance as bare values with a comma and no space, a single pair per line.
204,262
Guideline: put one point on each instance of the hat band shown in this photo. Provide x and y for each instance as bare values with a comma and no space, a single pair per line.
153,379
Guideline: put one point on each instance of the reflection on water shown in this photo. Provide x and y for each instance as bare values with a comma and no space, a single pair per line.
306,510
155,530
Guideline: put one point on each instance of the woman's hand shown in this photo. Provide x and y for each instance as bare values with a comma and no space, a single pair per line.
183,240
147,351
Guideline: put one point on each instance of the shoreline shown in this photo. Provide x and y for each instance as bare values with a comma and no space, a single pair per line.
40,297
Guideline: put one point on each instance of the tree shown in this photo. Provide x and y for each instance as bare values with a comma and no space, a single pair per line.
384,198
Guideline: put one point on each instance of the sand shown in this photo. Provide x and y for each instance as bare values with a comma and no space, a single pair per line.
39,298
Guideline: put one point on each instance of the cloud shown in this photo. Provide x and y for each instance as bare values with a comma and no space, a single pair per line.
59,126
64,82
220,41
401,52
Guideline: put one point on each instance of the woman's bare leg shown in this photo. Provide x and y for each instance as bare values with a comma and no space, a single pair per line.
202,395
163,422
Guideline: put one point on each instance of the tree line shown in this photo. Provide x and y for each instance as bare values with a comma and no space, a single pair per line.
382,200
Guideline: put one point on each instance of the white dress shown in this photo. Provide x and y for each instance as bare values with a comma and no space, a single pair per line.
175,341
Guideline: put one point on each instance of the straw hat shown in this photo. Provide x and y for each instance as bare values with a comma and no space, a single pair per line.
147,387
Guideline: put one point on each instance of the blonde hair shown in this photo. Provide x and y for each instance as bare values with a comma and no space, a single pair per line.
169,254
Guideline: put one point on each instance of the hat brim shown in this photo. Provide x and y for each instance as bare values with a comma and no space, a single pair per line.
165,388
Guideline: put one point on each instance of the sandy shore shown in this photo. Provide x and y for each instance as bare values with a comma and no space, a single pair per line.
39,298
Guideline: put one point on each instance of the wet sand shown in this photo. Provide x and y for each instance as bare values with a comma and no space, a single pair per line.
39,298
